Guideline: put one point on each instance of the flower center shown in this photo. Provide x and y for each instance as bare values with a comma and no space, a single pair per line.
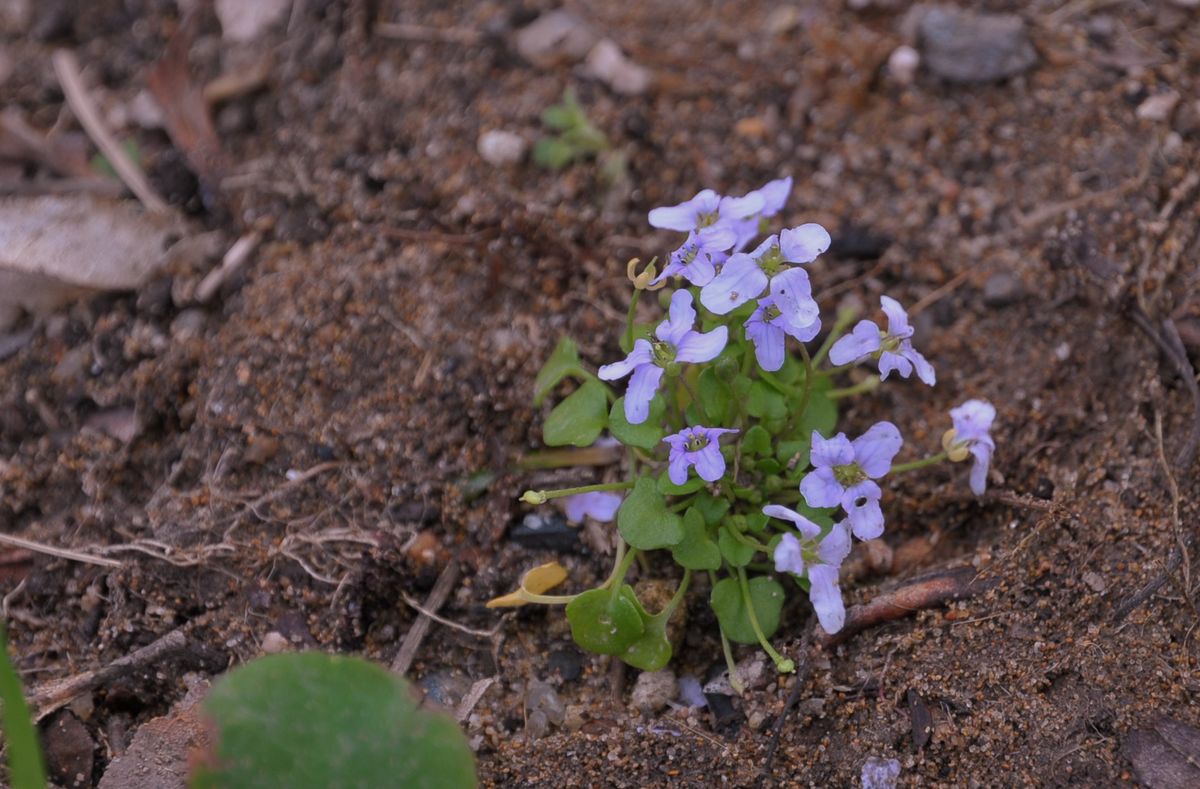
889,344
688,256
696,442
771,313
706,218
771,261
849,474
663,352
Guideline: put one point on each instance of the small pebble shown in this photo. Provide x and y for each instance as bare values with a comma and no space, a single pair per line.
691,694
1002,289
542,708
653,690
499,147
274,642
607,63
1095,581
965,47
1158,107
903,63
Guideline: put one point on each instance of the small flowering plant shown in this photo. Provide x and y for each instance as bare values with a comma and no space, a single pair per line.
734,465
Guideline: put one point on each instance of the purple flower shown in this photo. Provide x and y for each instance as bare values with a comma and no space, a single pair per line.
696,446
790,309
972,421
821,559
774,195
710,218
598,505
844,473
745,275
693,262
675,342
892,348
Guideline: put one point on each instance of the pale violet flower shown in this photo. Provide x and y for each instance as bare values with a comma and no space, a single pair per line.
696,446
774,195
598,505
675,342
693,262
745,275
819,558
970,435
844,474
892,348
790,310
710,218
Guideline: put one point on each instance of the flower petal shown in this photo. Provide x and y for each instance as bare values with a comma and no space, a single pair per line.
979,469
861,342
836,451
768,342
898,325
744,207
792,293
861,503
821,489
775,194
599,505
874,449
678,466
826,597
681,318
683,217
701,270
738,281
696,347
641,354
973,419
836,545
804,243
893,362
642,387
710,465
718,237
789,556
924,369
806,527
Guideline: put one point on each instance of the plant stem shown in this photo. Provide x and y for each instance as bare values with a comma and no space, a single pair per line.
677,598
868,385
727,650
916,464
692,394
782,664
749,542
843,320
618,576
542,496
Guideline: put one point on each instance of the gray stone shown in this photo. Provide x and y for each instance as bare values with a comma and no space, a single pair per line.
555,37
543,707
964,47
653,690
1001,289
499,147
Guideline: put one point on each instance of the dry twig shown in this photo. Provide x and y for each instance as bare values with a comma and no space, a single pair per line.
803,670
61,553
924,592
416,634
49,696
67,69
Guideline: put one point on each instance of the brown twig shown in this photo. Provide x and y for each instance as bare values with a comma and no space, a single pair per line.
803,670
233,261
925,592
49,696
416,634
61,553
444,35
67,68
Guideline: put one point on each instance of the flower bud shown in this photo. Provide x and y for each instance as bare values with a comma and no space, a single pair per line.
533,497
956,450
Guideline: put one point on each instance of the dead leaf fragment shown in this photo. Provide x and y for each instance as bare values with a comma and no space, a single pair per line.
537,581
54,248
1165,756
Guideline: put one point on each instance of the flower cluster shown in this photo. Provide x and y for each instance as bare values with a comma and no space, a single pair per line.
732,446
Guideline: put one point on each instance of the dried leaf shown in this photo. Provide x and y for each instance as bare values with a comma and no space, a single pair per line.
55,248
539,580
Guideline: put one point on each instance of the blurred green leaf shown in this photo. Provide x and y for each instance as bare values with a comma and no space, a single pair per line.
26,769
647,435
563,361
696,551
579,419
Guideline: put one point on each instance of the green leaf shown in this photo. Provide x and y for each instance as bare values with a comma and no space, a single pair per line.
562,362
715,395
737,553
755,522
26,769
559,117
821,414
579,419
696,551
605,624
713,509
644,520
788,450
309,720
769,466
669,488
757,441
647,435
553,153
651,652
765,403
766,595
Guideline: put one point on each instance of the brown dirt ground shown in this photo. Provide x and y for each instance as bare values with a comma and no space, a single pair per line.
386,336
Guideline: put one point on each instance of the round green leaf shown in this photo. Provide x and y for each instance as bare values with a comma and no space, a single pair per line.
605,624
579,419
562,362
644,520
651,652
310,720
696,551
737,553
766,595
647,435
757,441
